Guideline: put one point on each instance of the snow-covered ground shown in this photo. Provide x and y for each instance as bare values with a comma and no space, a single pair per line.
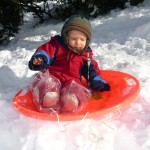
121,41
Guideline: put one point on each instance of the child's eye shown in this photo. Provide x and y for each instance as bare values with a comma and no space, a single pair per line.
83,39
72,38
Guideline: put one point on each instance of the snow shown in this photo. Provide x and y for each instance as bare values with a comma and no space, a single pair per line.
121,41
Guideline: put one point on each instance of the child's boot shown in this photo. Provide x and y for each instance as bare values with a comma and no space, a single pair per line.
69,103
50,99
74,97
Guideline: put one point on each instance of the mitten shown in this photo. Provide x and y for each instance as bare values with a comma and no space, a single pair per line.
45,60
98,84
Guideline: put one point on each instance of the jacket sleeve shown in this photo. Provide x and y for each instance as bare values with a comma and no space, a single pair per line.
92,75
91,71
46,53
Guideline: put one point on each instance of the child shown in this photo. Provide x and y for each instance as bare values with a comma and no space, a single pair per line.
66,57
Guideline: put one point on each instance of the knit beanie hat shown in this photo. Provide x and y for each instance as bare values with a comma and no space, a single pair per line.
79,23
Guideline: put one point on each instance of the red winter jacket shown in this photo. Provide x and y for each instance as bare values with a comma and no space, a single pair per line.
65,64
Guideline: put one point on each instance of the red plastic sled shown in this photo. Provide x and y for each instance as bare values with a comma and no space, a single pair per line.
124,89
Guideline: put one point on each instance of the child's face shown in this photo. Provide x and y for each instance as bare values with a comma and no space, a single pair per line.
77,40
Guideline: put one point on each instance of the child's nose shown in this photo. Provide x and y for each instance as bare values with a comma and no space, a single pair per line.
78,41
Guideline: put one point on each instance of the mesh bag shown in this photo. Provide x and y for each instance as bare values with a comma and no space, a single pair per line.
45,90
74,97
